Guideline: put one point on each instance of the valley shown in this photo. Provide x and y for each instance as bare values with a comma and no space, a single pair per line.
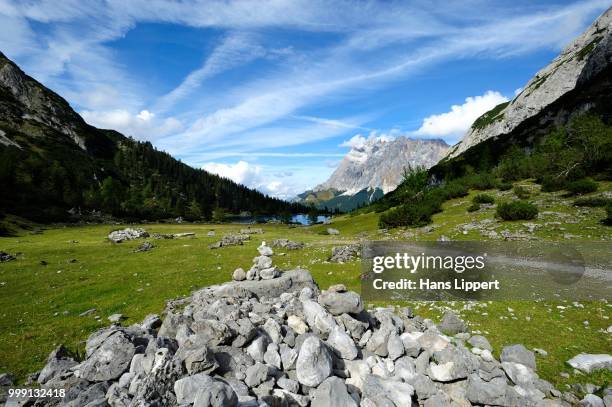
83,271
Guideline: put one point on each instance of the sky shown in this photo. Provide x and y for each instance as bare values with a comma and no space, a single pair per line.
273,93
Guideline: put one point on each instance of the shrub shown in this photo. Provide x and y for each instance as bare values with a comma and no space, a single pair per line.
551,184
482,181
413,214
517,210
483,198
608,219
504,186
520,192
593,202
473,207
581,186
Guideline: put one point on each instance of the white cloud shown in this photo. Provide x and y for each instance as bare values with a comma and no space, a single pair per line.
283,182
242,172
358,142
460,117
143,125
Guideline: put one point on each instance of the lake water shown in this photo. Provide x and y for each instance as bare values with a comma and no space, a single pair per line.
299,219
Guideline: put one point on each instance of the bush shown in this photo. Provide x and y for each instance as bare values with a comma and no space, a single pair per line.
608,219
520,192
482,182
517,210
593,202
581,186
504,186
483,198
413,214
552,184
473,207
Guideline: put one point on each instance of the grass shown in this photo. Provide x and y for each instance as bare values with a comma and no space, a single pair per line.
111,278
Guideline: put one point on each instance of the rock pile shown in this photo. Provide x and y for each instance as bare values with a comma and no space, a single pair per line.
118,236
282,342
6,256
287,244
262,268
230,240
343,254
251,231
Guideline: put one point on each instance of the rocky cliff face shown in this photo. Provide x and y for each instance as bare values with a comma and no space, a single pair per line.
37,104
379,163
578,65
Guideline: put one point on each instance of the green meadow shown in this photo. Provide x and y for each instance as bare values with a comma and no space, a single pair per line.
67,270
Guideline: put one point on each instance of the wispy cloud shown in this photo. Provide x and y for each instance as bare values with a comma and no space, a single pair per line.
368,46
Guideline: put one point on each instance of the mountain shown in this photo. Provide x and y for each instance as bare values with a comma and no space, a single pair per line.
52,161
576,81
371,169
557,132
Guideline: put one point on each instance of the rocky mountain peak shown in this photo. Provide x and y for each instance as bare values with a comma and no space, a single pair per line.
378,162
580,62
38,103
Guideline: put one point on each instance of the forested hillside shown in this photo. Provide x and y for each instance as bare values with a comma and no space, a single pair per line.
52,162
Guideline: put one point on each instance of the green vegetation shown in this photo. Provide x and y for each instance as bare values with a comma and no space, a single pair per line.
587,49
490,116
593,201
473,207
504,186
111,278
520,192
517,210
581,186
483,198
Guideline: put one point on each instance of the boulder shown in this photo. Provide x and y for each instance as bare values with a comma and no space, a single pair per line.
332,393
518,354
109,360
379,389
118,236
338,303
344,254
451,324
239,275
342,343
590,362
216,394
314,362
186,388
58,362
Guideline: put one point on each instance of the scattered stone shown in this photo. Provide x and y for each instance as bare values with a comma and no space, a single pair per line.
332,231
287,244
4,256
588,363
345,254
144,247
239,275
251,231
451,324
118,236
115,318
184,234
88,312
265,250
332,393
230,240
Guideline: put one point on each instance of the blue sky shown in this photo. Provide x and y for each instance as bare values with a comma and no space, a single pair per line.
273,93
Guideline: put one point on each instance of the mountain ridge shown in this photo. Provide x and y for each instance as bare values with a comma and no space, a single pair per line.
52,161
